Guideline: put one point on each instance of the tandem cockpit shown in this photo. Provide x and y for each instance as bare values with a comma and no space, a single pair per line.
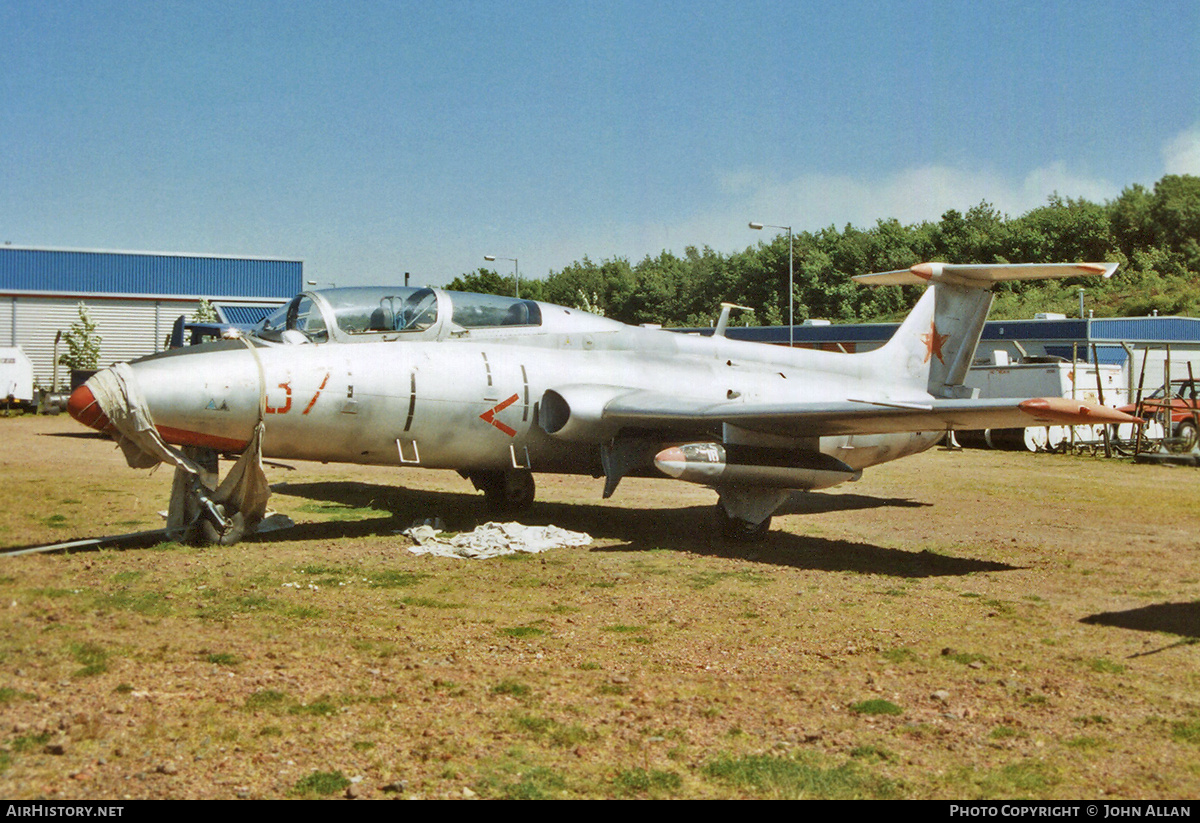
374,314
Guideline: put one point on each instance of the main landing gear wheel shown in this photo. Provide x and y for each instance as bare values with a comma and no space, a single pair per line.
736,530
506,492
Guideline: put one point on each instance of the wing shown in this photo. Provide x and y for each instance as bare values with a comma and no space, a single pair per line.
650,410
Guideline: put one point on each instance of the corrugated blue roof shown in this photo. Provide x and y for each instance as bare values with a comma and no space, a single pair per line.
104,272
1035,329
1155,329
1107,355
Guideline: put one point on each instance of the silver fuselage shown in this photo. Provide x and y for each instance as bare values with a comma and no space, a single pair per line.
470,400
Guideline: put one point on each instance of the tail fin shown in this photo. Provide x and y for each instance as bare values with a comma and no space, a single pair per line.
934,346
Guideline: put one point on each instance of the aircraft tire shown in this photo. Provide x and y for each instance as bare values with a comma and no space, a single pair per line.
506,492
210,535
736,530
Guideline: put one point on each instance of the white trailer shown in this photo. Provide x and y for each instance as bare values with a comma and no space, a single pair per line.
1044,377
16,375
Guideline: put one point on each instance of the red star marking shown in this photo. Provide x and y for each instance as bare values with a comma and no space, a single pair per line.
933,342
489,416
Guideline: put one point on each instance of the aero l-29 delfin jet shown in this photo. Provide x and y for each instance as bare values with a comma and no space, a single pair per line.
500,388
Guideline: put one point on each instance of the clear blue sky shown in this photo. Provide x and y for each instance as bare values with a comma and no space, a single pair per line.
373,138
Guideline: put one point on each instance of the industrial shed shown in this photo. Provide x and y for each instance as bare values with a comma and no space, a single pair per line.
133,297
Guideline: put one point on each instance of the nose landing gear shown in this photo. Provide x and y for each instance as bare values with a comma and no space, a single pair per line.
194,515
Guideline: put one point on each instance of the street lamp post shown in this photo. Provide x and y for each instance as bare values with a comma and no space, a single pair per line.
516,268
791,280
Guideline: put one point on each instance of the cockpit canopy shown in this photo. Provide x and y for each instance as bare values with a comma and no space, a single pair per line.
353,313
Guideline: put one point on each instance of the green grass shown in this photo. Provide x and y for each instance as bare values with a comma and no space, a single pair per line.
320,784
395,579
267,700
150,603
327,576
430,603
169,546
1186,732
899,655
53,592
323,706
539,783
620,628
703,580
1006,733
92,656
651,782
515,688
548,729
29,742
122,578
280,703
219,605
786,778
329,571
341,512
522,631
513,777
965,658
876,707
1026,778
871,754
1103,666
8,695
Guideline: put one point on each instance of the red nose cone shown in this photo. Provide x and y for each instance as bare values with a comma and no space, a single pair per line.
83,407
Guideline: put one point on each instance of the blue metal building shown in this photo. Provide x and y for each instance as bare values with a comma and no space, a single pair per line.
134,297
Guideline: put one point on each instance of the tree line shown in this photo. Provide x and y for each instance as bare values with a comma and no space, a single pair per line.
1153,234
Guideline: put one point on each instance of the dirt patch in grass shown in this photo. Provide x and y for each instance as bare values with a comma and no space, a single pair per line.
1033,620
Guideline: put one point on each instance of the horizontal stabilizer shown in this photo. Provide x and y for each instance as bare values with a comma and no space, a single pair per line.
979,276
